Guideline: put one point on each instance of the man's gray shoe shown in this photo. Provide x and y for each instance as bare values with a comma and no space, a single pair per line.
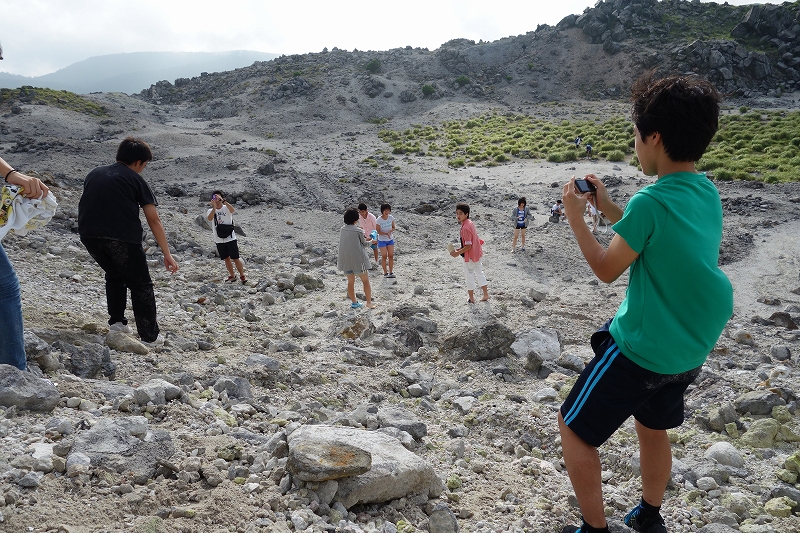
119,326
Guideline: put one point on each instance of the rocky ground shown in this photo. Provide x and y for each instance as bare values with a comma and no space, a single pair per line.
243,420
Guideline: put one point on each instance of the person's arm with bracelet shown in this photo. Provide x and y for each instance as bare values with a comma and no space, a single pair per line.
33,187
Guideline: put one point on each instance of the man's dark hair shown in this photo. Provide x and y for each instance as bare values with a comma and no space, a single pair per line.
350,216
218,193
132,150
464,208
362,206
384,207
683,109
522,201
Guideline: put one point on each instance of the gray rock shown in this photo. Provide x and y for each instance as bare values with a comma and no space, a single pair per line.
442,520
38,351
758,402
422,324
117,340
490,341
110,445
744,337
308,281
157,391
570,361
395,472
781,352
725,454
89,361
111,390
25,391
236,387
719,416
537,346
31,480
326,491
464,403
263,361
547,394
786,491
403,420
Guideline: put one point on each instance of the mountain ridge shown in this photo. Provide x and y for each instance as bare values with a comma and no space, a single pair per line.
133,71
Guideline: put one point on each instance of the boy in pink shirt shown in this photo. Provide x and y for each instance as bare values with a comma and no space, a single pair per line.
472,251
368,223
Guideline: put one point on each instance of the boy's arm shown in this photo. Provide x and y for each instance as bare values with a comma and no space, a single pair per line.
607,265
153,220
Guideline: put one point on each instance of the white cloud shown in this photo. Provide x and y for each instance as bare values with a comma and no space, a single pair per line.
41,36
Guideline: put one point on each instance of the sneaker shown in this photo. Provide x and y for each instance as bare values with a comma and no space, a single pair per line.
522,249
158,343
651,524
356,305
570,529
390,275
119,326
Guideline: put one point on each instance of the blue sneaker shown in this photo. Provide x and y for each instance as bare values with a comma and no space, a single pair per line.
650,524
356,305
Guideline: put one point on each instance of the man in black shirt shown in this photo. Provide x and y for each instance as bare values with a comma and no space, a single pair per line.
109,226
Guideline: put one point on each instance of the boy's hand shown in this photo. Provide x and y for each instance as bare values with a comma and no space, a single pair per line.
600,196
574,204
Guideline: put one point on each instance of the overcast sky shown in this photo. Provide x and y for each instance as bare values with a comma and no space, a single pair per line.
42,36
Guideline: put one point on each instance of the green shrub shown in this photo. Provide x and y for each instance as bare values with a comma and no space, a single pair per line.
501,158
723,174
428,90
744,109
457,162
463,80
555,157
616,155
373,66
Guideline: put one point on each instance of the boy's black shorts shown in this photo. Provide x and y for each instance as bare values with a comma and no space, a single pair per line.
228,249
612,387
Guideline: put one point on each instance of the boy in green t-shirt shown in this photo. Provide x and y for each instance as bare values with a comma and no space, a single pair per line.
676,305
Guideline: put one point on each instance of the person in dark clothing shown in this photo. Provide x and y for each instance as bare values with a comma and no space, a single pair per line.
109,227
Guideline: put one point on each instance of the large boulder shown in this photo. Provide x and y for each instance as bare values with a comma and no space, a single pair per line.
124,445
25,391
537,346
395,472
491,341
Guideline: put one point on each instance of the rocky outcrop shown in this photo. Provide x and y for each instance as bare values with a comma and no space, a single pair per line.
732,64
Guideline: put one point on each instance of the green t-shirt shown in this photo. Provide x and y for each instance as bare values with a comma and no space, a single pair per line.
678,300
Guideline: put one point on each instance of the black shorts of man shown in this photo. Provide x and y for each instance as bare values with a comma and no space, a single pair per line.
109,227
221,213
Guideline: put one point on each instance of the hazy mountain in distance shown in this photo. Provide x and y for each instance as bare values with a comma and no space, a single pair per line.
132,72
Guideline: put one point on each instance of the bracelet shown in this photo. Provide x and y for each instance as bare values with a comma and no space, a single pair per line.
8,174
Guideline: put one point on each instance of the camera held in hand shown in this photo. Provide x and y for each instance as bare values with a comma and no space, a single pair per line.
584,186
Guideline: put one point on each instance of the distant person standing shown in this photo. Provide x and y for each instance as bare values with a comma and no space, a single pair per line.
12,343
109,227
588,151
520,216
578,142
591,212
353,259
368,223
221,213
472,251
385,227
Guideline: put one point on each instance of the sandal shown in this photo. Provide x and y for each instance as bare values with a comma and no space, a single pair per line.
243,278
230,278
